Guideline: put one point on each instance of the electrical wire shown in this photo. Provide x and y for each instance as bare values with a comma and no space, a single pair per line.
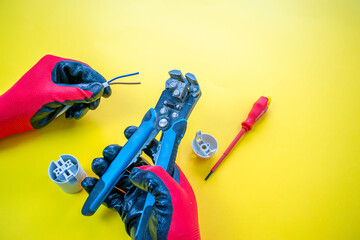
122,76
128,83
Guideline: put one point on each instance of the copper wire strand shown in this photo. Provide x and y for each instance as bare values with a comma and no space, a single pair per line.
120,190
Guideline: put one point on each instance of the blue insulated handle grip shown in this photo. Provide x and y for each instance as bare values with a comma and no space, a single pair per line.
146,213
167,155
169,146
131,149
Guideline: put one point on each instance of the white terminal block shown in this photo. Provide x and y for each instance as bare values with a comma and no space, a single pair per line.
67,173
204,145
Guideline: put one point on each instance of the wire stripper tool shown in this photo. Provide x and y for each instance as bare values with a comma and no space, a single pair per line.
170,116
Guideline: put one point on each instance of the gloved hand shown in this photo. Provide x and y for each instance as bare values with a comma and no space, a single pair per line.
49,86
175,210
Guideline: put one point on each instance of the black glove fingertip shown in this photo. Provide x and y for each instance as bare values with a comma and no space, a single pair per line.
88,184
129,131
94,105
111,151
134,172
107,92
99,166
143,179
81,112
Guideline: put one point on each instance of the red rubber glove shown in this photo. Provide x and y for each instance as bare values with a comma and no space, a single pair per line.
175,211
45,90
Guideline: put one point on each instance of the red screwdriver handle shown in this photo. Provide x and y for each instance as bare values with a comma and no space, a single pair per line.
258,109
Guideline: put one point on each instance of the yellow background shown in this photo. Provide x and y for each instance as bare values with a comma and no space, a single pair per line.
296,175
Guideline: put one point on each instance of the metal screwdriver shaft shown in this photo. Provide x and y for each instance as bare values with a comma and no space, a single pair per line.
258,109
227,151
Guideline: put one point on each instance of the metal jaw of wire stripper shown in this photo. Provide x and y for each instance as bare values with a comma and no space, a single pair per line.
170,116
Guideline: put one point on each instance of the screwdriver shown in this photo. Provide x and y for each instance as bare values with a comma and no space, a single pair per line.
258,109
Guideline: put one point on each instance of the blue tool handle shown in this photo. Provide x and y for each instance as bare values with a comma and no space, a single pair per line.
166,159
146,213
132,149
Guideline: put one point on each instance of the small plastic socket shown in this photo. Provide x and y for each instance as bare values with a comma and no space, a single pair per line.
67,173
204,145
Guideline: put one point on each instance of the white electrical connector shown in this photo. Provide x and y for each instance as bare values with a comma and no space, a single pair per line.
67,173
204,145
